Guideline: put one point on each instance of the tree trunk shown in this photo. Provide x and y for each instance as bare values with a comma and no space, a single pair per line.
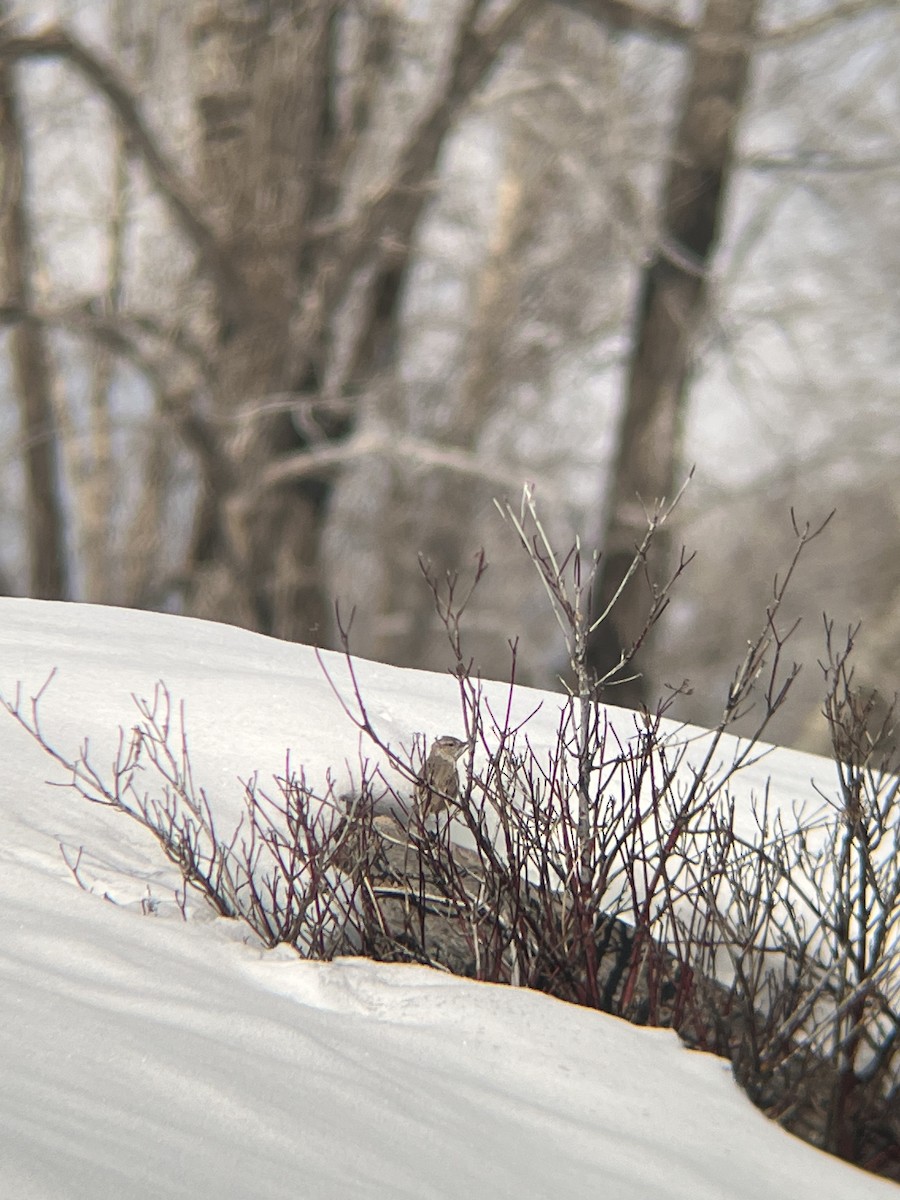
670,306
261,88
47,572
275,150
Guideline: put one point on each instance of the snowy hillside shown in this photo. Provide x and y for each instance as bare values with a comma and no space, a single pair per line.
148,1056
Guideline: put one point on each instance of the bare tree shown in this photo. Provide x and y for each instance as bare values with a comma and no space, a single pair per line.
48,576
672,308
673,291
303,256
289,205
670,304
308,243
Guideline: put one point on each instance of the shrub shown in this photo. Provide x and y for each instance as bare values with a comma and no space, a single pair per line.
612,868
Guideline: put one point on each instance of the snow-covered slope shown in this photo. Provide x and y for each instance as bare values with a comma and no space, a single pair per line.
146,1056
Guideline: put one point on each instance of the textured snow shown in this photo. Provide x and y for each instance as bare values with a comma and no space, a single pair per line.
147,1056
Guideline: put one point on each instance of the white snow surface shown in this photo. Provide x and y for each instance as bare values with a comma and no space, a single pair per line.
142,1055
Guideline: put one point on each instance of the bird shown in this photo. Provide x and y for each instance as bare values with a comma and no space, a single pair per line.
438,785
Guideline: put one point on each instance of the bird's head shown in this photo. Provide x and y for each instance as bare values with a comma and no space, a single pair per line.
450,747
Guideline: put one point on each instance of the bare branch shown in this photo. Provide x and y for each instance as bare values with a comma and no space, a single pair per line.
621,17
187,207
800,31
415,453
823,164
117,332
385,223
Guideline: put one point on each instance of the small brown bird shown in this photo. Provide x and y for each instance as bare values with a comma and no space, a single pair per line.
438,784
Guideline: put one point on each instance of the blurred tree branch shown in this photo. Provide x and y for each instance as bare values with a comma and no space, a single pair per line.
44,519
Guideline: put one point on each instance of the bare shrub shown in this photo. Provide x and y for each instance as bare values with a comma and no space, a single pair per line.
799,971
853,886
614,868
274,871
587,866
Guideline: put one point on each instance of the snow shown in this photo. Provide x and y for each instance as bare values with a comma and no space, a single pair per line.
148,1056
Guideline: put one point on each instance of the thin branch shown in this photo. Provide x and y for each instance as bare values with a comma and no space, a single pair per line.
413,452
822,163
621,17
800,31
388,216
117,332
187,207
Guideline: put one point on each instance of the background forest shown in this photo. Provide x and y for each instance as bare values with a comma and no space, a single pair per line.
291,291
